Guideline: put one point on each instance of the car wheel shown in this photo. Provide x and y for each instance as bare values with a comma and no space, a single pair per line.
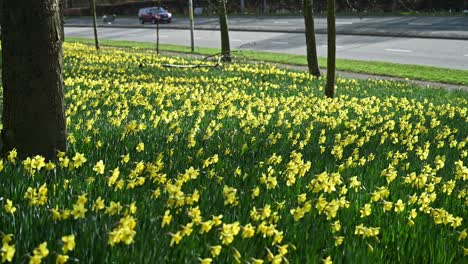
142,21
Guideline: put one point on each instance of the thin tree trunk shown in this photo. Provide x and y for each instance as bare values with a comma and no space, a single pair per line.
157,30
331,58
157,35
192,26
93,13
242,6
394,6
312,60
225,46
33,100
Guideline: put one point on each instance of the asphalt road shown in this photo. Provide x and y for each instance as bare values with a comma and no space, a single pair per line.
406,26
444,53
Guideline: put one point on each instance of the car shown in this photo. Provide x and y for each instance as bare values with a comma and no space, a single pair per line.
154,14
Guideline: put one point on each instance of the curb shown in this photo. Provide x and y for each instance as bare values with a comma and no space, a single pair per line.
363,32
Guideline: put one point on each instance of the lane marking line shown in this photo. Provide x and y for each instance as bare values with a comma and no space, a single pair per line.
338,47
343,23
281,22
279,42
466,55
419,24
237,40
398,50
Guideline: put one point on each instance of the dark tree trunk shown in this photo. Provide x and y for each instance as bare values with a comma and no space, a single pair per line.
192,26
395,6
157,36
312,60
225,47
331,60
92,4
62,18
157,31
33,100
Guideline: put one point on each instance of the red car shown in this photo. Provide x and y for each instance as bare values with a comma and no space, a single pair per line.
154,14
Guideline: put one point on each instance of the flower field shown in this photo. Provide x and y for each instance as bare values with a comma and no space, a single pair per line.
243,163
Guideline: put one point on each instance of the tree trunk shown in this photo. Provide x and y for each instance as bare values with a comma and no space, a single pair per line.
331,60
93,13
394,6
157,34
225,47
33,100
312,60
242,6
192,26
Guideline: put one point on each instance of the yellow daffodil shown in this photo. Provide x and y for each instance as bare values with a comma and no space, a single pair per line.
68,243
215,250
99,167
9,207
61,259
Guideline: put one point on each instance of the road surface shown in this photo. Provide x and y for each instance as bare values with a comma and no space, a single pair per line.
444,53
455,27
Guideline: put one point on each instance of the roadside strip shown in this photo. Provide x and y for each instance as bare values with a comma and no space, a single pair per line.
432,76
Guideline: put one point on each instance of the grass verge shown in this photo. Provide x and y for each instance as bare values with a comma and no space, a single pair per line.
414,72
244,163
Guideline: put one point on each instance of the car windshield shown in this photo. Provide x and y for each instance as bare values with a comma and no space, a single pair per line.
158,10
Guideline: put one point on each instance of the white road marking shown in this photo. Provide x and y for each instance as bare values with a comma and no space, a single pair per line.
279,42
419,24
163,36
237,40
398,50
338,47
466,55
343,23
281,22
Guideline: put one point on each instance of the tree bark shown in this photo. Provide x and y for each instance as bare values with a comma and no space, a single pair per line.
33,98
312,60
394,6
192,26
331,57
92,4
225,46
157,34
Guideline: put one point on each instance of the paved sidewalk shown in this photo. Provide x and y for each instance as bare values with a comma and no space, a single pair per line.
405,26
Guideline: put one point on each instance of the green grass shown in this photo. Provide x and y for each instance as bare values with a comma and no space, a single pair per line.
246,115
413,72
